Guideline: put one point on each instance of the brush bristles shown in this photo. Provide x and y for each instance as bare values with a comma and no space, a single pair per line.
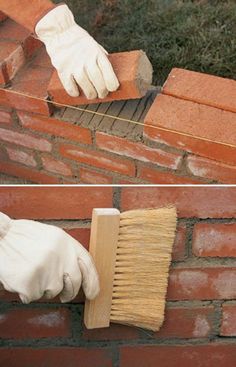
142,265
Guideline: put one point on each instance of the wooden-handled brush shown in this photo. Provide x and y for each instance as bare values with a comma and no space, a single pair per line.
132,253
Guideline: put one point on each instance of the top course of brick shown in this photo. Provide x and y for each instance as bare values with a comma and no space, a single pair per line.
186,131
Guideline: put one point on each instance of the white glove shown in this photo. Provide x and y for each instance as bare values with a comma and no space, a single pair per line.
77,57
38,260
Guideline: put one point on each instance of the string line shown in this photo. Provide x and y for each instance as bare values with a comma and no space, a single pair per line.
119,118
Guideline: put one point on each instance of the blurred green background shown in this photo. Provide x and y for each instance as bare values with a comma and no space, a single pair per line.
197,35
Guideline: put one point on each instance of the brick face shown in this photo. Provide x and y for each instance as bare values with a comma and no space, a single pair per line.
228,325
214,240
34,323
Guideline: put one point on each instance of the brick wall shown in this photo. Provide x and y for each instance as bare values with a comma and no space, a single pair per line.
200,325
40,143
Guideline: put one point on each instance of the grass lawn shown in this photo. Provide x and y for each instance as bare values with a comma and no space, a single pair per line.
197,35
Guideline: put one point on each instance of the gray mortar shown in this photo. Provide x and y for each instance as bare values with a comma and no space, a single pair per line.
135,110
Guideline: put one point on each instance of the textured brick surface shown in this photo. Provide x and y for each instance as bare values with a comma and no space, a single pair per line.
34,323
201,202
52,165
55,127
159,177
64,202
207,168
202,284
172,356
199,121
63,357
92,177
98,159
128,66
137,151
228,325
194,86
214,239
21,157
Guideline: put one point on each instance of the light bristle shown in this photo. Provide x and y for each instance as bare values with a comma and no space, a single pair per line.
142,266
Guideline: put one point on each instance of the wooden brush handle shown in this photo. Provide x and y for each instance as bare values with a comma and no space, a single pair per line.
102,247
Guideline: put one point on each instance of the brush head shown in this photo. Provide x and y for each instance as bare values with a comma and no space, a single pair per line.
142,263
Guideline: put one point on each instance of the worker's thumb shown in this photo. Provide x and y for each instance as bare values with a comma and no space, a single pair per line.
5,223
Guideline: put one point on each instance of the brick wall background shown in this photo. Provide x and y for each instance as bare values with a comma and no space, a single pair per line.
200,325
43,144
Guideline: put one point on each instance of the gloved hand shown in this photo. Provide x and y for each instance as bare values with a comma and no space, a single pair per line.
38,260
77,57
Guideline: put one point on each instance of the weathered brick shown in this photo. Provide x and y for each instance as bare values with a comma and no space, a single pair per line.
187,322
98,159
212,170
2,16
61,202
5,116
32,82
34,323
228,323
179,244
21,157
55,127
12,58
137,151
25,140
133,70
53,165
201,202
160,177
202,88
13,31
199,122
27,173
207,355
214,239
93,177
202,283
63,357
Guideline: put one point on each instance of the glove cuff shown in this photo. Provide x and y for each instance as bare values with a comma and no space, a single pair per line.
55,22
5,223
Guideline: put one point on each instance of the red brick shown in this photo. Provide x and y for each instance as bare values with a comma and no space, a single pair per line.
211,169
202,284
93,177
114,332
63,357
26,173
160,177
179,244
201,202
138,151
34,323
25,140
128,68
13,31
55,166
208,355
5,116
55,127
203,122
228,325
42,58
202,88
59,203
21,157
98,159
32,82
12,58
80,234
2,16
214,239
187,322
31,44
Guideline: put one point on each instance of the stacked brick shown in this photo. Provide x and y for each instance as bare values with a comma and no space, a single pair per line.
42,143
199,327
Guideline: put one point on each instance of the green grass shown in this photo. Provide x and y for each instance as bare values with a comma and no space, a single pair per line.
196,35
